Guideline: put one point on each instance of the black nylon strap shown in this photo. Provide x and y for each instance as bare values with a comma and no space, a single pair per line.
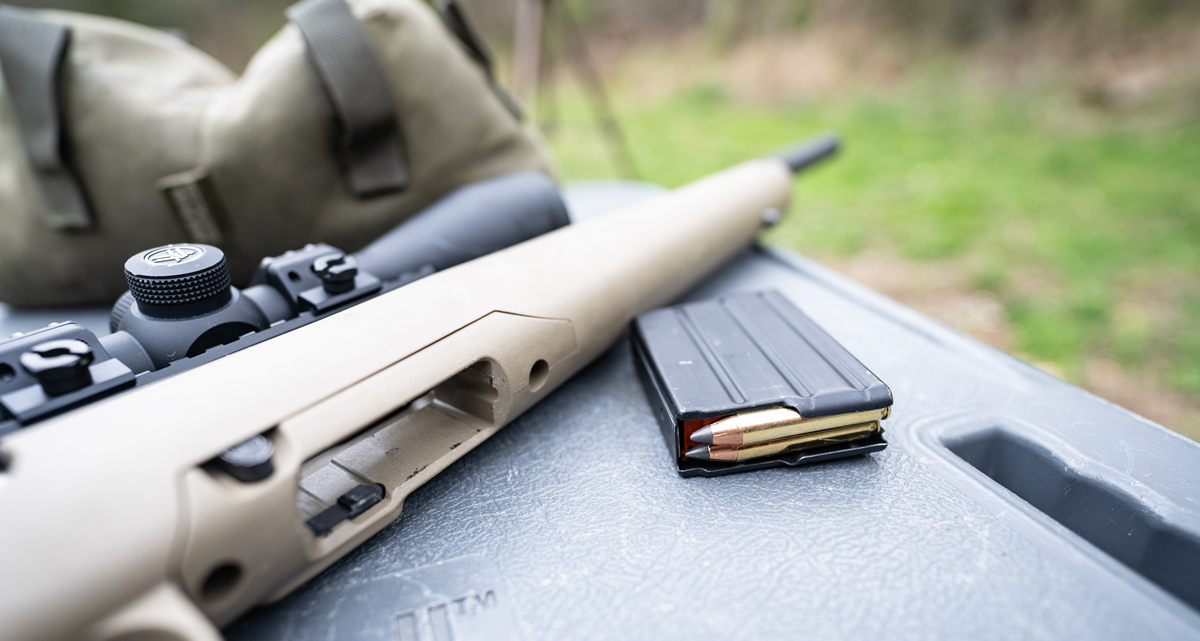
356,85
456,21
31,52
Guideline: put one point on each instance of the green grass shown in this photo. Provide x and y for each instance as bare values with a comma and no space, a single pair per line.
1068,215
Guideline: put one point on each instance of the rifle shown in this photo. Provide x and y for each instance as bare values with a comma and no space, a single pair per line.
172,508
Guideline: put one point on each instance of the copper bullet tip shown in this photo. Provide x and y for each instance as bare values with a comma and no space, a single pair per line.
703,435
700,453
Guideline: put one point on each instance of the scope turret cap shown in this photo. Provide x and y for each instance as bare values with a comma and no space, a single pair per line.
178,281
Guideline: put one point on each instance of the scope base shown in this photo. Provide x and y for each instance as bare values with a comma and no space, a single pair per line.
105,383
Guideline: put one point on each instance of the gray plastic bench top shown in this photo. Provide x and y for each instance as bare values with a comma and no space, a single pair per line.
1008,505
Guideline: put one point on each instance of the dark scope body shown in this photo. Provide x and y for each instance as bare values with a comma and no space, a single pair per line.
181,309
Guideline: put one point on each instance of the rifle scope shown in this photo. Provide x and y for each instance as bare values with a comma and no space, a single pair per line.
181,309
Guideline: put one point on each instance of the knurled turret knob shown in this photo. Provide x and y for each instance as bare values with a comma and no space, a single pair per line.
177,281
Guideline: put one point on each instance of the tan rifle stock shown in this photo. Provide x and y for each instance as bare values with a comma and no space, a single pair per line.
114,526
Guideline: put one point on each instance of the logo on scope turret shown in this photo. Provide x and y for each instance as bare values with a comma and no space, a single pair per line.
173,255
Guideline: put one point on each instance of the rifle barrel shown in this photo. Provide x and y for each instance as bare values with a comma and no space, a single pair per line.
809,152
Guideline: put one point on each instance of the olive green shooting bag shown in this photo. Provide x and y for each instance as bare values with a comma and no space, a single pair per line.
116,137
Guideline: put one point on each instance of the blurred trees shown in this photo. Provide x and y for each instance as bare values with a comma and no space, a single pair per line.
957,22
233,29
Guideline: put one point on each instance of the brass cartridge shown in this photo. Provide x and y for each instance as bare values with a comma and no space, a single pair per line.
776,423
739,454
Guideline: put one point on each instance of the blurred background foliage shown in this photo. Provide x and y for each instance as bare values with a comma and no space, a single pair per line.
1027,171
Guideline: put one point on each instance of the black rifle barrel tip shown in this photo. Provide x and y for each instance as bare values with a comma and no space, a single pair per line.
808,152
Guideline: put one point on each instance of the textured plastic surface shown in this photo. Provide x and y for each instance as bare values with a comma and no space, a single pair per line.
745,351
519,540
622,547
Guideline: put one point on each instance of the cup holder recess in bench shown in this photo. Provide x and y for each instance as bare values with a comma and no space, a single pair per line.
1092,501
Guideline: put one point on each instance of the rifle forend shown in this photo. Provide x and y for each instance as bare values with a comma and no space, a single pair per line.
121,520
